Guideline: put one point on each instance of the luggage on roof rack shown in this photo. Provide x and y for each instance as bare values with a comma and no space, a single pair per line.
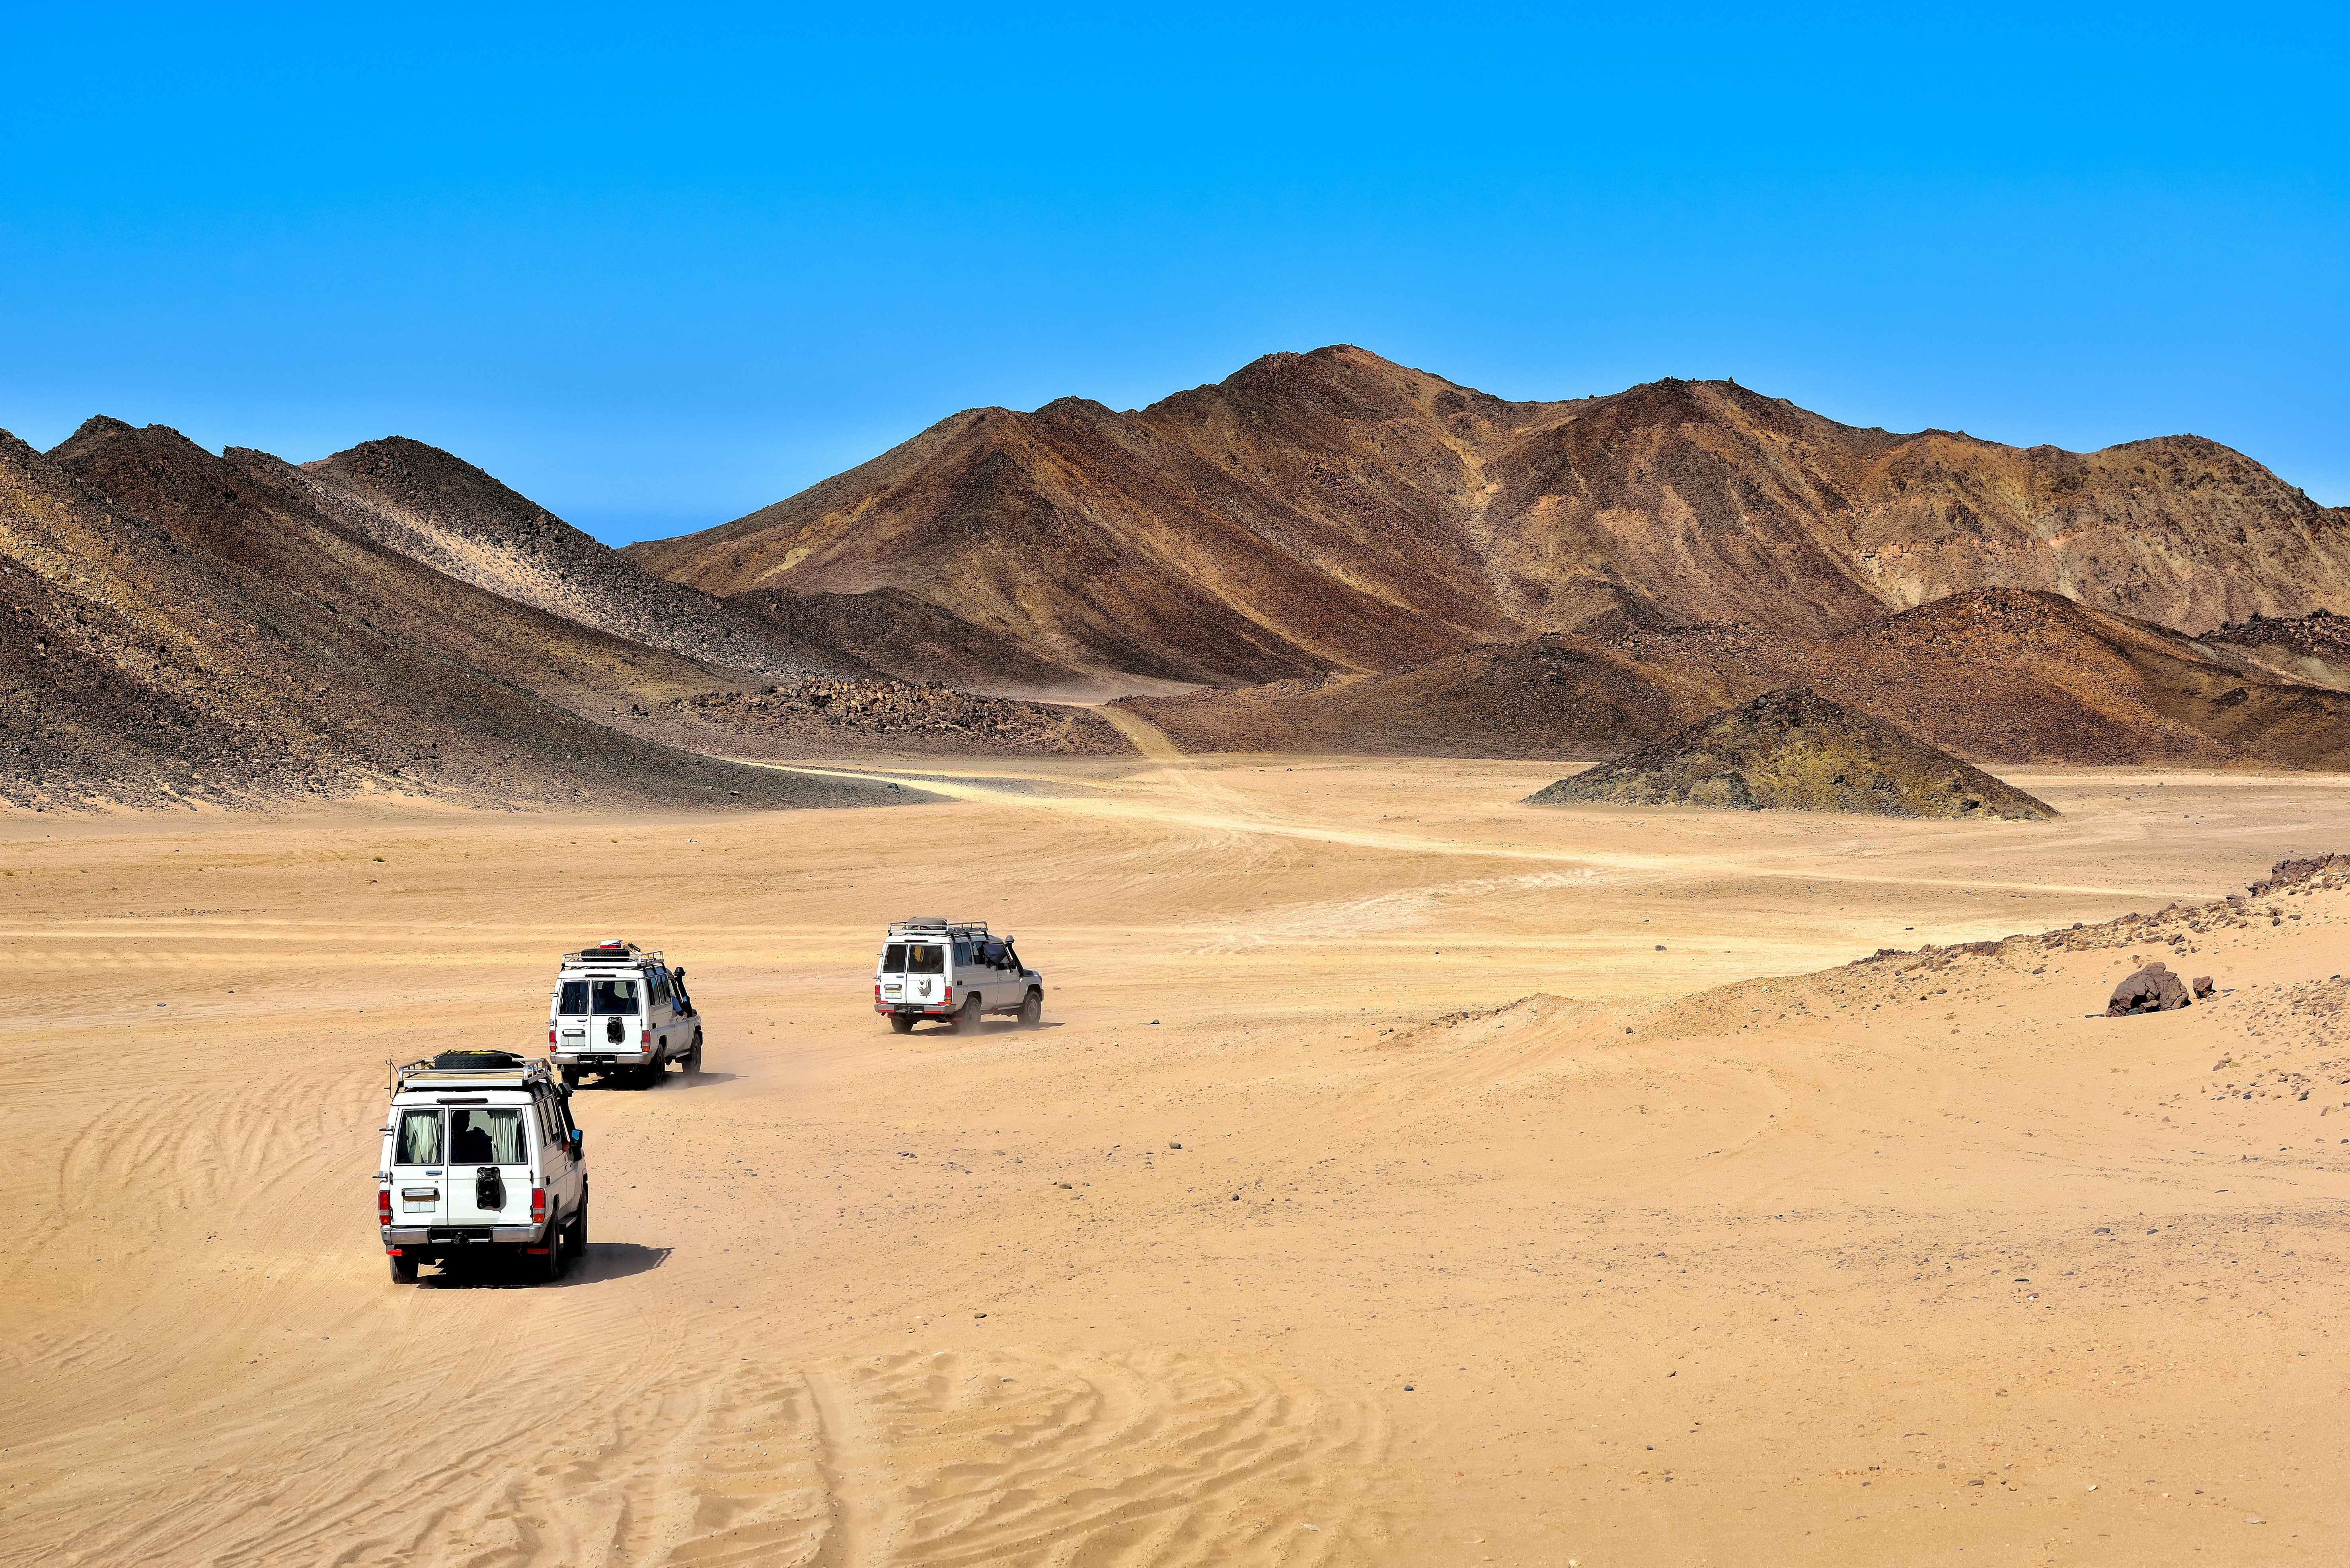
474,1067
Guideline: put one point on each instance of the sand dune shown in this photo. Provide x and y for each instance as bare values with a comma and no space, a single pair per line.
1551,1184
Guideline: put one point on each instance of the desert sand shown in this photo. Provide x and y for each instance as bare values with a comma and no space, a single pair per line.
1402,1175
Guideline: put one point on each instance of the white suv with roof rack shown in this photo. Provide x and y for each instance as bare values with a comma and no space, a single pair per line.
480,1158
622,1012
954,972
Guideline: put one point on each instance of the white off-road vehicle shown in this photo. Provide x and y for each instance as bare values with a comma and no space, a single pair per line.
622,1012
480,1158
952,970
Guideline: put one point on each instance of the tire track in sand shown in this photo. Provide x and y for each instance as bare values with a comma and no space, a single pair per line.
958,1458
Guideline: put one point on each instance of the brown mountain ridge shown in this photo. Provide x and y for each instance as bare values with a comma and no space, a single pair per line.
1335,512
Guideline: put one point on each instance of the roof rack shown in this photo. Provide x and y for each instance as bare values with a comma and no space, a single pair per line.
617,952
939,928
444,1071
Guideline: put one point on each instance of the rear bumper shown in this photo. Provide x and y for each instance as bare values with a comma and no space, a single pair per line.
457,1238
602,1058
913,1008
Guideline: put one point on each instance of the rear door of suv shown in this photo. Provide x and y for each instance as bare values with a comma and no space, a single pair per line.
489,1168
418,1166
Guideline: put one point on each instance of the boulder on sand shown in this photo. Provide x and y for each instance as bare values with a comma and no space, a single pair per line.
2152,989
2203,987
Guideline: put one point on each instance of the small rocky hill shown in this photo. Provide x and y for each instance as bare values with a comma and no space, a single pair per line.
1796,750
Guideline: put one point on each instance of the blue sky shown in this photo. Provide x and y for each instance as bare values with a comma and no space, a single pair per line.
657,268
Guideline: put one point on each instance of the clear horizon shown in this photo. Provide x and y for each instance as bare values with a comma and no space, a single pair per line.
656,276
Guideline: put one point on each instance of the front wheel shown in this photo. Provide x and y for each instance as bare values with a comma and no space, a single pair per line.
403,1269
1032,1010
967,1021
901,1023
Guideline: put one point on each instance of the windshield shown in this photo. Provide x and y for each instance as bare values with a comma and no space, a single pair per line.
575,997
924,958
418,1141
616,996
486,1136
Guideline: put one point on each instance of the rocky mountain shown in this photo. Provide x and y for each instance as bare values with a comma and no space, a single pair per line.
1794,750
1995,676
437,509
1334,512
180,631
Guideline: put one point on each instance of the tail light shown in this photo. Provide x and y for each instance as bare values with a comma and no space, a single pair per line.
383,1205
876,991
550,1035
644,1036
949,996
537,1205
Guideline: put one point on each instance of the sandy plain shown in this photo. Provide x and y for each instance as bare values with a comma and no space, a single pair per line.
1544,1192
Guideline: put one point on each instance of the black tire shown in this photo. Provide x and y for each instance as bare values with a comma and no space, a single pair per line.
967,1021
575,1234
1032,1009
570,1077
546,1267
901,1023
646,1076
403,1269
693,1057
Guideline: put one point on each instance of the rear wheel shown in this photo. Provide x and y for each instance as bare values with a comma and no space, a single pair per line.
646,1076
544,1268
403,1269
693,1057
902,1023
967,1021
570,1077
1032,1009
576,1235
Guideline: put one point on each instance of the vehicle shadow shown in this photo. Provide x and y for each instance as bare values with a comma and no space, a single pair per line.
604,1261
671,1080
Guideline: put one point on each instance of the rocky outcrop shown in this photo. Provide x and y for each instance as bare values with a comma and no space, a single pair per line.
2152,989
1796,750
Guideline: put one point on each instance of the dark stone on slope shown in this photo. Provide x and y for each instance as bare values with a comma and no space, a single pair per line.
2152,989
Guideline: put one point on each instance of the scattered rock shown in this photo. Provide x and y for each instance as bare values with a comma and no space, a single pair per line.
2202,984
2152,989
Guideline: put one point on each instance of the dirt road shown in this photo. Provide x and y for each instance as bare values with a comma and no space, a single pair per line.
1401,1176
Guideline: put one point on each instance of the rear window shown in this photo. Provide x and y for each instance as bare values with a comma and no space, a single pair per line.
616,996
417,1140
485,1135
893,959
575,997
925,958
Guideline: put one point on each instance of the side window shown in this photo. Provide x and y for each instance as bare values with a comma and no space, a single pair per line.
418,1141
963,953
